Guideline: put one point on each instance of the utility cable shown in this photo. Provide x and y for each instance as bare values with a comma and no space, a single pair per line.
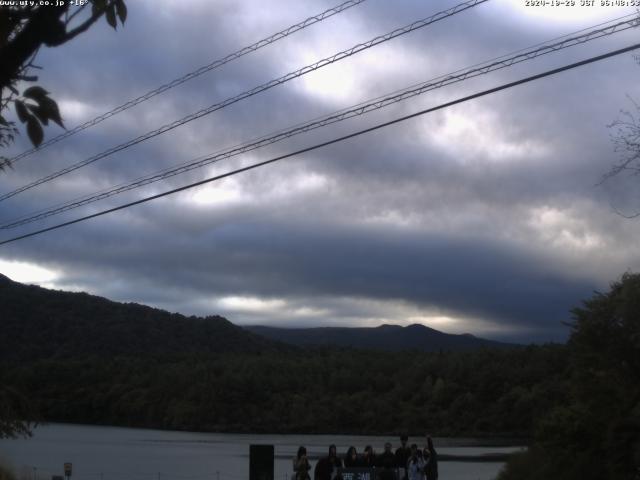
191,75
249,93
357,110
333,141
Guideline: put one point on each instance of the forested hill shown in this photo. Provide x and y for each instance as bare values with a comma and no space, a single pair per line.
39,323
74,357
384,337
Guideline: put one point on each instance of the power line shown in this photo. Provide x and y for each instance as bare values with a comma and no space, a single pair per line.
249,93
196,73
357,110
333,141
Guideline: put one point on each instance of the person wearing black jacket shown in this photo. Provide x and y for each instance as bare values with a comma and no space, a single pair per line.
386,459
386,463
403,453
327,467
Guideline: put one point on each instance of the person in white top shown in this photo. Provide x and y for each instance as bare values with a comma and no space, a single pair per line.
415,464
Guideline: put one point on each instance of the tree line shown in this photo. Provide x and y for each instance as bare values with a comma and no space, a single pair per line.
577,404
312,391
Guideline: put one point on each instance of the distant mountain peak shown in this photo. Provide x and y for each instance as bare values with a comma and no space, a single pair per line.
419,327
383,337
387,326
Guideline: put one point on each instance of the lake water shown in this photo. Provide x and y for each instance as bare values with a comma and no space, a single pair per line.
112,453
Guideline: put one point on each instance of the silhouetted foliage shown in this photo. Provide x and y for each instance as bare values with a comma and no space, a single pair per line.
25,27
320,391
17,417
595,432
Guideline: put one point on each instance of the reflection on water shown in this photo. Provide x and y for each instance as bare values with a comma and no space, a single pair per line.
111,453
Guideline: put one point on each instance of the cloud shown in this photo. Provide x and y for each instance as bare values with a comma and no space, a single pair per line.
481,218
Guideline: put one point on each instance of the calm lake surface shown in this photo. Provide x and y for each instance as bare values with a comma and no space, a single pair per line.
112,453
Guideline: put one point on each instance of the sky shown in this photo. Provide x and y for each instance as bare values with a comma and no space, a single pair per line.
488,217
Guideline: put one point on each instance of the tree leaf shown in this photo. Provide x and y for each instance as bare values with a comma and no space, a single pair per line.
110,13
39,112
50,109
121,8
3,122
35,93
98,6
34,130
22,112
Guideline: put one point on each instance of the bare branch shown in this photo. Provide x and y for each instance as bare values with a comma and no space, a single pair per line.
625,137
618,212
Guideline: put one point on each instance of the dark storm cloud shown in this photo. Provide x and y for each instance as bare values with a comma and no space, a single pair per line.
467,276
485,212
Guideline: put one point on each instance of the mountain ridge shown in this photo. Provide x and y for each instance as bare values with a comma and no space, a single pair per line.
387,337
41,323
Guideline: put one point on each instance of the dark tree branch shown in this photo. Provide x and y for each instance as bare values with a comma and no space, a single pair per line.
79,10
38,30
44,26
24,30
83,27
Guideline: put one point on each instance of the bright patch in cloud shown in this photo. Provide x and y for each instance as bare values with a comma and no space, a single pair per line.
310,312
476,134
251,304
75,111
335,83
298,185
461,325
27,272
354,80
562,229
221,194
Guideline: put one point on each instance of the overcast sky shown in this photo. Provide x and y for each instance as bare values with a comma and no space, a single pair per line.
482,218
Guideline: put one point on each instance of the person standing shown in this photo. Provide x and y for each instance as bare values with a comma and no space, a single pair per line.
415,464
386,459
386,464
403,453
431,460
301,465
368,458
351,458
327,467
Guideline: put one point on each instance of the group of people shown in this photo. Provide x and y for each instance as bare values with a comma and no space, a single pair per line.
407,463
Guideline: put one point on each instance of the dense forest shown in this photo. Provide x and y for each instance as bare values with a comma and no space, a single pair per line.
579,401
319,391
81,358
